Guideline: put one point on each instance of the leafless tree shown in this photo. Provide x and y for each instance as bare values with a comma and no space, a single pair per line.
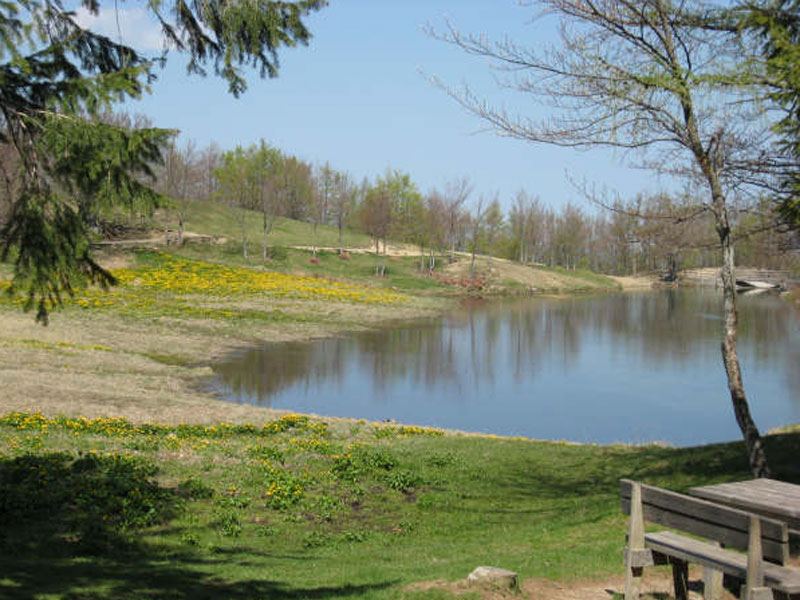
177,179
639,75
455,195
375,215
343,203
207,161
435,227
476,222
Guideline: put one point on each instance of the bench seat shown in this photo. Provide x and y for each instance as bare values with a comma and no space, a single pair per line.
777,577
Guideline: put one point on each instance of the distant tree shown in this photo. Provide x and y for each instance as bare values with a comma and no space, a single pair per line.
476,226
177,179
238,187
375,216
207,161
456,194
570,237
526,219
435,227
493,225
298,188
343,203
321,200
406,202
267,170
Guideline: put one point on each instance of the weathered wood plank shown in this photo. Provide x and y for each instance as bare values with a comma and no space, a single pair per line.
775,499
784,579
706,519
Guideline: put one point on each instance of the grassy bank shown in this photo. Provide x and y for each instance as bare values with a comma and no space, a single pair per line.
143,349
301,508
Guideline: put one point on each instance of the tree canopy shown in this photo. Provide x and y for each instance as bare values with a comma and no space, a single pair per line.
777,24
57,79
666,82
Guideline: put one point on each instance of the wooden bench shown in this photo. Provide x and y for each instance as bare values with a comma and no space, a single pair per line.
766,541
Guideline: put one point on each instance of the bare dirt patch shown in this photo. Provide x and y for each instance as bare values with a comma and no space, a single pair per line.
501,272
635,283
99,363
657,585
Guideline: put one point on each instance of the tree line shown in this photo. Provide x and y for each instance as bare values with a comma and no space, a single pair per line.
651,232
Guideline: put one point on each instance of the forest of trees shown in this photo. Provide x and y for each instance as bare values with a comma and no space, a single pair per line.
627,237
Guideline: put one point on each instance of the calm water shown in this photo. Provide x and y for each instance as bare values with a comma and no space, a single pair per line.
631,367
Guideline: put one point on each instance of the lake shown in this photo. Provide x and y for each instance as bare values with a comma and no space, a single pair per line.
629,367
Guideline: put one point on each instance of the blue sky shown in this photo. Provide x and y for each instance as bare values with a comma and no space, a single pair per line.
358,96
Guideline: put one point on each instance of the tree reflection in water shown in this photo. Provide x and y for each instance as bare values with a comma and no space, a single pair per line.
595,359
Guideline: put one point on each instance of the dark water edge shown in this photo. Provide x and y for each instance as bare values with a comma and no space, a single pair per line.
632,367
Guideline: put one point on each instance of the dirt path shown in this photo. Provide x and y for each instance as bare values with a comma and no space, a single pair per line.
657,585
635,283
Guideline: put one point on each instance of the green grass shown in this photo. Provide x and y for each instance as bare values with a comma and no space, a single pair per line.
400,273
216,218
585,275
306,509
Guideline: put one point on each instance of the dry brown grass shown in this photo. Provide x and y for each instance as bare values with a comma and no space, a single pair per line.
99,363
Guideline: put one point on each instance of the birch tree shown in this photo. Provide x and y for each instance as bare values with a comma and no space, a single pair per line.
642,77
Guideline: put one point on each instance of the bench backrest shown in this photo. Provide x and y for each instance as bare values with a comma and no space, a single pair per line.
702,518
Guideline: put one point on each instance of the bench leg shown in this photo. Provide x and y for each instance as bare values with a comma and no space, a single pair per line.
754,586
680,578
633,582
757,593
712,582
633,569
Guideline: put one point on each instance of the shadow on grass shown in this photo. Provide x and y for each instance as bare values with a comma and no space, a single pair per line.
571,473
68,530
140,576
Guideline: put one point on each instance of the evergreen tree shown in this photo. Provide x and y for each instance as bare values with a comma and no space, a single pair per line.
777,22
56,80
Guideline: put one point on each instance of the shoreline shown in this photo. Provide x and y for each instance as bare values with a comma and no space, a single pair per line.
104,364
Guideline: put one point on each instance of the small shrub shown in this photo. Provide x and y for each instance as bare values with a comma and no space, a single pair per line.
354,537
227,522
402,481
277,253
317,539
327,507
284,488
190,539
268,453
442,459
361,461
194,489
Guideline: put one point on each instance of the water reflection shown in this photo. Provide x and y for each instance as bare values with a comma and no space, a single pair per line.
627,367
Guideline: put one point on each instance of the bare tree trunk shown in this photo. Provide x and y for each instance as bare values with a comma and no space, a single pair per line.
180,225
472,266
314,238
244,237
730,357
266,232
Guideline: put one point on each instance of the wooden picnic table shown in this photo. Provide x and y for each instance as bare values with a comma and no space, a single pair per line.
767,497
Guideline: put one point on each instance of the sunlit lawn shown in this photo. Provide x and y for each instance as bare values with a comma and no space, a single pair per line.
304,508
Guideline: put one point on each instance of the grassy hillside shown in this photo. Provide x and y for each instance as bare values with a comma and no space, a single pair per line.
400,268
301,508
216,218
